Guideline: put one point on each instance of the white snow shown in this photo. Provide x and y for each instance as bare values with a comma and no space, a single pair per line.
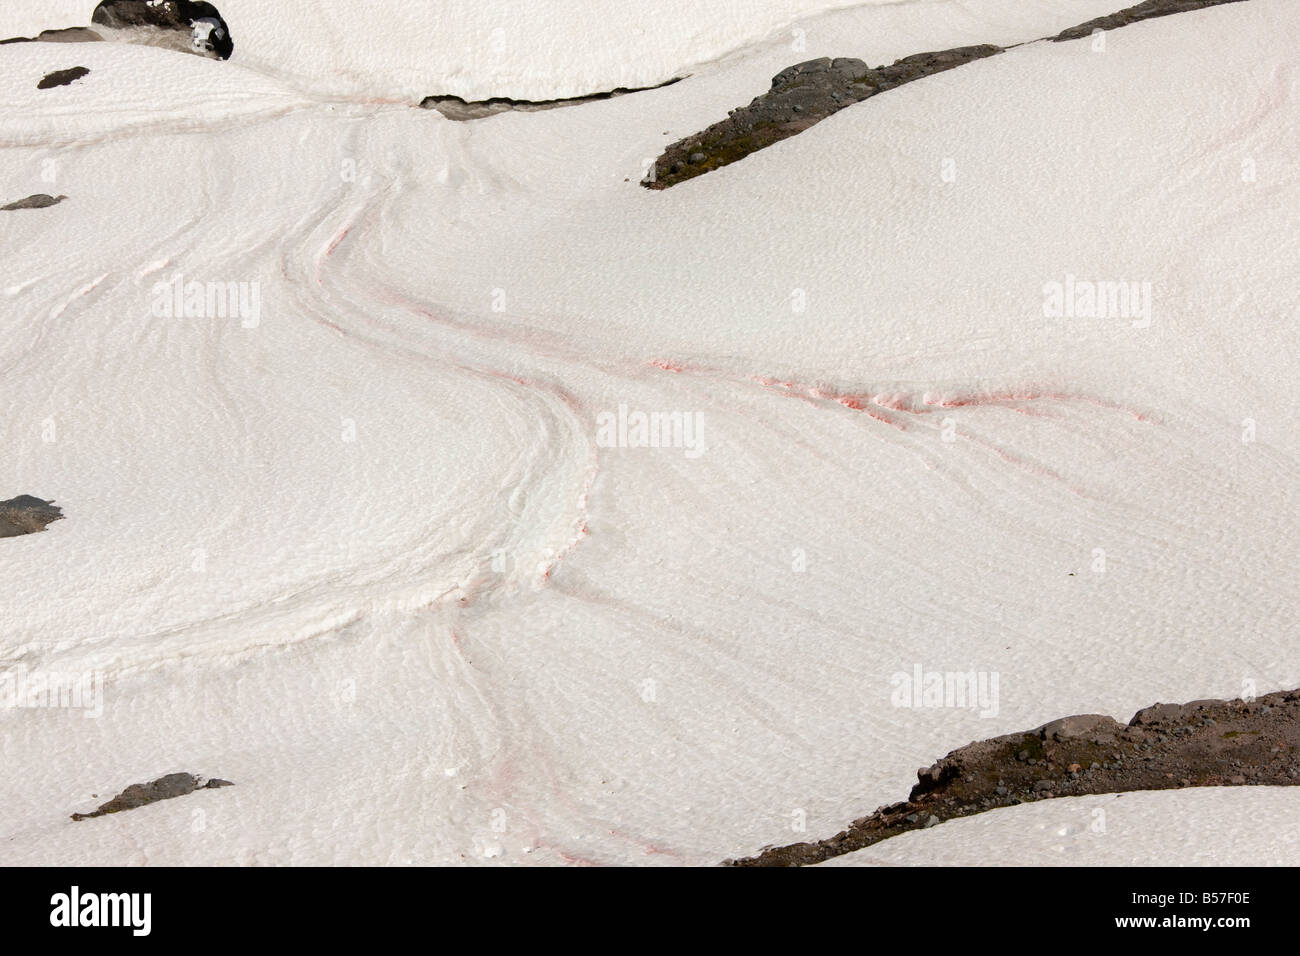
1243,826
537,50
365,555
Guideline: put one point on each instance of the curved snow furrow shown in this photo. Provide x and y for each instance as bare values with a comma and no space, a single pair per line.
317,608
380,529
559,428
903,410
573,802
540,412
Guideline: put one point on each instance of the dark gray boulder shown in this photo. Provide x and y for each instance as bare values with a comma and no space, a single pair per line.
1158,714
1082,725
62,77
26,515
164,788
38,201
206,30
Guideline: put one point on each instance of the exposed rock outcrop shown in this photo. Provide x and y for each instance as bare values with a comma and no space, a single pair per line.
38,201
190,27
62,77
25,514
197,27
806,93
801,96
1142,11
1206,743
68,35
456,108
143,794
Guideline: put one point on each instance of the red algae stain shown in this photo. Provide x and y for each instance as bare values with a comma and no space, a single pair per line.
1032,467
649,849
507,377
1028,401
335,243
888,421
856,403
1013,400
897,403
574,860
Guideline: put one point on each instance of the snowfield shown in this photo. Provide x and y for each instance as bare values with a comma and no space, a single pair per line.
549,49
358,543
1129,829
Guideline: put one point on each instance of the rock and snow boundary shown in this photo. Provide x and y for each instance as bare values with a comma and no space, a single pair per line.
370,560
1207,743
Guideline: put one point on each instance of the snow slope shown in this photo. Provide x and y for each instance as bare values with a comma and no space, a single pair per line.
1253,826
537,50
367,557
